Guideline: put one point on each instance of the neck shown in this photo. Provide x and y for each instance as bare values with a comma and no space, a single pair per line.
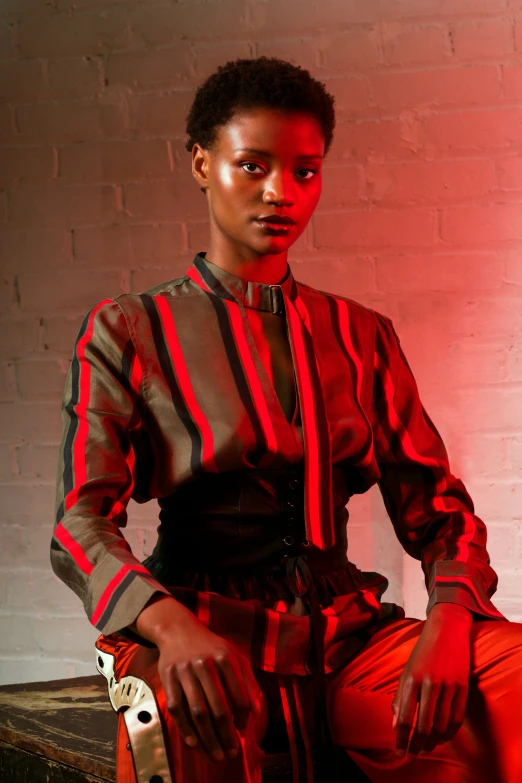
268,269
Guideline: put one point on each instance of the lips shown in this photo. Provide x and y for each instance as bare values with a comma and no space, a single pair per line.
277,220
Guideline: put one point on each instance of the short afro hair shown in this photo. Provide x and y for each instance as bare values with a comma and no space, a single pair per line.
264,82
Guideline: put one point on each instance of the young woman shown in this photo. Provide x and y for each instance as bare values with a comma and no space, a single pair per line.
253,407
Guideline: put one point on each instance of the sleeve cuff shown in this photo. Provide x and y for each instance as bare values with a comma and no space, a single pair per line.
123,600
452,581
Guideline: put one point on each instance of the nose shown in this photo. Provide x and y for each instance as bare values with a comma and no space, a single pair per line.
279,189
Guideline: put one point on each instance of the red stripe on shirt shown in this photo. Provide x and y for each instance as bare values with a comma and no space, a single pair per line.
74,549
438,502
136,374
344,326
203,610
252,377
290,729
79,449
304,733
111,587
185,384
270,645
196,277
332,621
398,427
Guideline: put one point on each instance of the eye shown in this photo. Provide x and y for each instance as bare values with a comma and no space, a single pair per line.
250,164
256,166
312,171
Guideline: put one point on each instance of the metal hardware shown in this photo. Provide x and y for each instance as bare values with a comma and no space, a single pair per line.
276,299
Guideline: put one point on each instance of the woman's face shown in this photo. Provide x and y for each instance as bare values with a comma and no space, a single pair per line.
266,162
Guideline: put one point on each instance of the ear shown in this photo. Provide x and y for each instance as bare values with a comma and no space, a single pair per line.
200,166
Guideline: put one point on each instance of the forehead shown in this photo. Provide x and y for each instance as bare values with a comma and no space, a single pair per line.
274,131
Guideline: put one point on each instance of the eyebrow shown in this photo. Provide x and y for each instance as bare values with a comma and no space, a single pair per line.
267,154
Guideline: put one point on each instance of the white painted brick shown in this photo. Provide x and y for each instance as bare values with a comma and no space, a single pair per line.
72,636
36,500
97,198
515,453
37,591
42,669
7,462
37,461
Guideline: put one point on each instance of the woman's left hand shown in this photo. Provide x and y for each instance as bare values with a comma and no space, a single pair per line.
437,677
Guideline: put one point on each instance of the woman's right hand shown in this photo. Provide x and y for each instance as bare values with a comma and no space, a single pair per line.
210,687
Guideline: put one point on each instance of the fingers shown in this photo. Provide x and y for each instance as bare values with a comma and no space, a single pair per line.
432,696
406,709
221,715
441,713
242,688
199,711
176,708
451,716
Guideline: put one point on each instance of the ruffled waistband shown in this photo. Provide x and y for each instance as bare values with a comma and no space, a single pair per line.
265,583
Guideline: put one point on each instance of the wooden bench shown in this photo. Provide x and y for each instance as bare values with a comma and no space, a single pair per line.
64,731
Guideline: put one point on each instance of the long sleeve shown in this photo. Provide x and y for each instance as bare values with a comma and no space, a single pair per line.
431,510
96,473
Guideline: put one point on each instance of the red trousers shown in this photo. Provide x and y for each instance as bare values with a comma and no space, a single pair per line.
486,749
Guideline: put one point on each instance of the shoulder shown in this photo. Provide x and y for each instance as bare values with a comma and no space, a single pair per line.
132,304
356,310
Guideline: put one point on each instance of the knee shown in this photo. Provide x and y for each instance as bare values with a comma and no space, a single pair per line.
497,644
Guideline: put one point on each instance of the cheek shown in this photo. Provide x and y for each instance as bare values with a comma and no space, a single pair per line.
224,178
229,181
310,201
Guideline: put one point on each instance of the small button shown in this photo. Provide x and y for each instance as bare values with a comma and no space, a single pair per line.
306,542
289,540
289,504
100,661
284,559
293,484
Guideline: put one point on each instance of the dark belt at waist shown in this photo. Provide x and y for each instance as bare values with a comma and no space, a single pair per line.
249,519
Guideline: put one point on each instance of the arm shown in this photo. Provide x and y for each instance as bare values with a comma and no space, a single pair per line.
96,473
433,517
95,480
431,510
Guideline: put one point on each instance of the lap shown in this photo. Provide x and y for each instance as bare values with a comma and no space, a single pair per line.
360,698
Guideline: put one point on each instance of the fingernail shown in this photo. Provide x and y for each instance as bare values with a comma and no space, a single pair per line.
218,755
232,753
400,753
191,741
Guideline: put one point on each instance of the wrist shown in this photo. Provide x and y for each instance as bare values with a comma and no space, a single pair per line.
452,613
161,618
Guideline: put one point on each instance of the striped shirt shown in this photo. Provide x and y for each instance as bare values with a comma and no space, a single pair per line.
172,383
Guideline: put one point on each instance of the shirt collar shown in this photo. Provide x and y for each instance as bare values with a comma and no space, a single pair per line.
259,296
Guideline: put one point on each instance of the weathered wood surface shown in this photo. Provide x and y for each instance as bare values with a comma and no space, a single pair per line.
64,731
67,721
20,766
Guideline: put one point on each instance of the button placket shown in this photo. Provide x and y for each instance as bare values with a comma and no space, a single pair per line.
290,512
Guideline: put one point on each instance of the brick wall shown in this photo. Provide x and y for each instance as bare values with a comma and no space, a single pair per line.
420,217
